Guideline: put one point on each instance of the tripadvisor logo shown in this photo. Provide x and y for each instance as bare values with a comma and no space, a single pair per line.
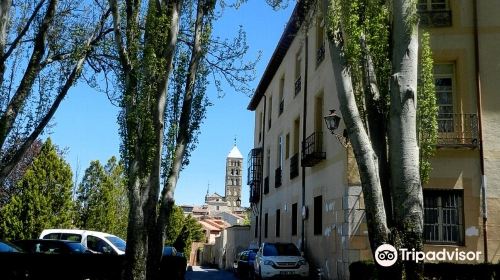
386,255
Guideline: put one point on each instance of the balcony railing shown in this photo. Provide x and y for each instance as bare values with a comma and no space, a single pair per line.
320,54
282,106
266,185
457,130
277,177
294,166
255,193
312,150
298,85
255,167
435,18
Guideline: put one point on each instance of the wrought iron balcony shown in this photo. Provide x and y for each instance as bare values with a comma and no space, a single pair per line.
298,85
312,150
282,106
255,193
320,54
277,177
266,185
457,131
294,166
255,167
435,18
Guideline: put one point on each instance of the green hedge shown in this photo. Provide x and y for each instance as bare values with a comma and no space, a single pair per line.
365,270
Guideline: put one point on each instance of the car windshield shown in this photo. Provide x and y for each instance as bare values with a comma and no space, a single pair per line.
8,247
281,249
76,247
117,242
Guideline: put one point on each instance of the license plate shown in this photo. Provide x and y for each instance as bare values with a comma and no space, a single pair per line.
286,272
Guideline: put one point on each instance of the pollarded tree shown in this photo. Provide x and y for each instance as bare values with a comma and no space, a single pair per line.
44,199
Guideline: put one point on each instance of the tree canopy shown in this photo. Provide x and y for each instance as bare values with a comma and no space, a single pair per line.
101,198
44,198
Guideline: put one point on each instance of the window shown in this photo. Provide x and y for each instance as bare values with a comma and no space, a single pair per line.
98,245
278,222
443,79
294,219
280,151
296,136
287,146
318,113
320,41
268,161
261,122
434,13
266,219
443,216
432,5
298,66
318,215
270,112
256,233
281,95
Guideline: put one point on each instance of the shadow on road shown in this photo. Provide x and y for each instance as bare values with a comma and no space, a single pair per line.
207,273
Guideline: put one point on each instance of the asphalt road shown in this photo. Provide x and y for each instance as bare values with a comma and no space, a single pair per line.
204,273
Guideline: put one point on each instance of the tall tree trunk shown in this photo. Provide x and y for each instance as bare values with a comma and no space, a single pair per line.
404,157
156,241
184,133
5,7
366,158
30,74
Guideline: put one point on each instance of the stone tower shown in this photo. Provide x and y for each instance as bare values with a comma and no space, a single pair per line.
234,167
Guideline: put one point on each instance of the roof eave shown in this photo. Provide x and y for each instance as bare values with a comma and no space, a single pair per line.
291,29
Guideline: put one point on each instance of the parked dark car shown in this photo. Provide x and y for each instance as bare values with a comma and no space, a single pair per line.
45,246
7,247
243,265
173,264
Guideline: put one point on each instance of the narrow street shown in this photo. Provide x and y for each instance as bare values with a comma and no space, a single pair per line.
205,273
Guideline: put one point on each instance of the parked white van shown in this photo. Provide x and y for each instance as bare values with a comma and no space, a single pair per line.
96,241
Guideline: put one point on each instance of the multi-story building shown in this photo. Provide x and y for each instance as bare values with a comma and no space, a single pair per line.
304,186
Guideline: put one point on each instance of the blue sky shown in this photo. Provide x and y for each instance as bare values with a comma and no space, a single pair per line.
86,124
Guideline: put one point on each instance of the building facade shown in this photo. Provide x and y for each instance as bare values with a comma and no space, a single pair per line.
304,186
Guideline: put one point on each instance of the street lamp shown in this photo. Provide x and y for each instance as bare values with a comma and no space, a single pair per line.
332,121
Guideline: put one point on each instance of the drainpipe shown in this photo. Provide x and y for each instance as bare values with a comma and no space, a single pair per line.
484,208
261,193
304,121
